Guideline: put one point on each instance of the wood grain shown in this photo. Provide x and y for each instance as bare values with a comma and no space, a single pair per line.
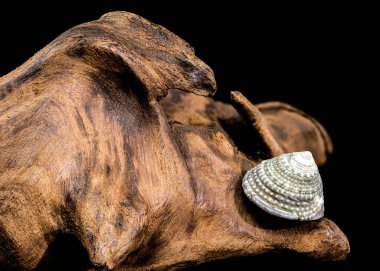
92,148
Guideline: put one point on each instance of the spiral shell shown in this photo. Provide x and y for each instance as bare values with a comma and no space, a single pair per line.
288,186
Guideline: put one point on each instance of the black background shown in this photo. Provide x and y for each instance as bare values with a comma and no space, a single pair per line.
303,55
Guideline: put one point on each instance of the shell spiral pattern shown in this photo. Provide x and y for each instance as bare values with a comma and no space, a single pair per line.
288,186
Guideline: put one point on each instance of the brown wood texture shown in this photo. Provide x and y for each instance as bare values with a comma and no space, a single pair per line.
91,147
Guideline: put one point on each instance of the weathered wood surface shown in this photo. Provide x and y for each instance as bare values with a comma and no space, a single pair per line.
90,147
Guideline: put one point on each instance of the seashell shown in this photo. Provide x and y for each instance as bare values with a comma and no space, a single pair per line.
288,186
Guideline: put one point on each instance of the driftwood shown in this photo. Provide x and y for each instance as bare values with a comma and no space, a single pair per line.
91,147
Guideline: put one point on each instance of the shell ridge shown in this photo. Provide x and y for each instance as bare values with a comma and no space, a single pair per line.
288,186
